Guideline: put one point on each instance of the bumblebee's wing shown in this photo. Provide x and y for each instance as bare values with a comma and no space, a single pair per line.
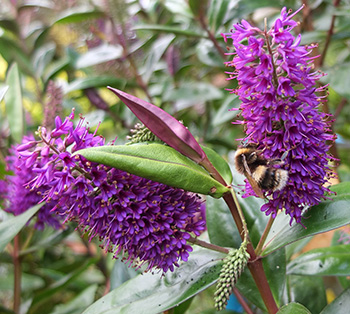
251,180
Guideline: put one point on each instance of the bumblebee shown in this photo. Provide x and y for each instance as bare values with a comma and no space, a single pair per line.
260,171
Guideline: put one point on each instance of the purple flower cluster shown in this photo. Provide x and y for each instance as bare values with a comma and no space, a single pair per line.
146,221
277,87
19,198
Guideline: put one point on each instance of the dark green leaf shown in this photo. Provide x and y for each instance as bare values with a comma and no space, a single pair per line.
58,286
10,25
345,282
275,270
293,308
151,293
9,228
326,216
309,291
98,81
198,8
219,163
12,52
247,286
329,261
168,29
79,303
340,305
159,163
220,224
55,67
13,103
98,55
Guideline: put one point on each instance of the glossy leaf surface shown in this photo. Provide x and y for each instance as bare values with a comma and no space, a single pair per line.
219,163
163,125
9,228
293,308
329,261
159,163
326,216
151,293
340,305
13,103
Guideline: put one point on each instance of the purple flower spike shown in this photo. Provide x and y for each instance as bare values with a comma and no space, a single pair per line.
277,87
163,125
147,221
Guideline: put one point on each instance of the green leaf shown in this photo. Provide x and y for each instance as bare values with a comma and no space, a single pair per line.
12,52
98,55
56,287
154,55
153,293
219,163
159,163
190,94
338,77
293,308
78,14
340,305
217,12
98,81
275,270
121,273
329,261
198,8
323,217
55,67
9,228
221,227
247,286
208,54
168,29
224,114
309,291
342,188
13,103
79,303
43,57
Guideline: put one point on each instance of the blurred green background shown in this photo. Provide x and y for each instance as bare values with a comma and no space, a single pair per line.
58,55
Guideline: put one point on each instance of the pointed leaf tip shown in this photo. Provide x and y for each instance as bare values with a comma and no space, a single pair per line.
163,125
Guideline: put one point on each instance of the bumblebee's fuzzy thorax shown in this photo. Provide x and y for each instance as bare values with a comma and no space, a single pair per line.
259,171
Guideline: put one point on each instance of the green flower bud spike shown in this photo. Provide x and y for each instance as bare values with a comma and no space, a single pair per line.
140,133
234,264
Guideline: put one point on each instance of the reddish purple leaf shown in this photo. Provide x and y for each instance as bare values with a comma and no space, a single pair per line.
163,125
